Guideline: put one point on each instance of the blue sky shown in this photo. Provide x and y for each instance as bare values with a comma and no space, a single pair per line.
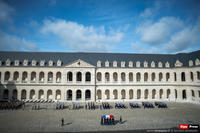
120,26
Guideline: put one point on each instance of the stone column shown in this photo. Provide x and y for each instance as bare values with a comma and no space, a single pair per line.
74,95
142,94
45,77
27,94
11,76
74,77
45,94
150,94
54,94
127,94
134,93
189,95
83,95
19,94
83,77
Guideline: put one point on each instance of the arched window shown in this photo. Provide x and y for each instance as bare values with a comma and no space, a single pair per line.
79,76
41,77
138,94
7,76
107,93
130,94
41,94
115,93
168,93
123,94
98,76
33,76
138,76
161,93
193,95
58,77
130,77
58,94
191,76
14,95
153,94
50,77
78,95
146,93
198,75
6,94
123,77
16,76
145,76
69,95
88,76
160,76
87,94
23,94
24,77
69,76
107,77
115,77
167,76
182,76
49,94
99,94
175,76
32,94
153,76
176,95
184,94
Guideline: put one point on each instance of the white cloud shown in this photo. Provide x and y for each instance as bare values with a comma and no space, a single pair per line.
82,38
147,13
10,42
158,32
185,39
6,13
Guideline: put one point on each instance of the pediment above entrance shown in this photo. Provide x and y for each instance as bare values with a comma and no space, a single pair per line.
79,63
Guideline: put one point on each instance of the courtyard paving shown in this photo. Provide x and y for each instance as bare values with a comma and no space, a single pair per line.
48,119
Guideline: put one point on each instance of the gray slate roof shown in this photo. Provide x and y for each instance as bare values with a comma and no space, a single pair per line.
92,58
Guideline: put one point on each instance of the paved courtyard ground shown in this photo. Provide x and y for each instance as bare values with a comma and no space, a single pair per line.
49,120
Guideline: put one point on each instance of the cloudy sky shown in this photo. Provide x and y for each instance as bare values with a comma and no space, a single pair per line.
120,26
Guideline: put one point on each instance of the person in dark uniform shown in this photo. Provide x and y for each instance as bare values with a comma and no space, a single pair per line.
120,119
62,120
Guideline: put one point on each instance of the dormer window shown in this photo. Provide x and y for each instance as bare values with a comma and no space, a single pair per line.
123,64
153,64
160,64
99,63
33,62
197,62
114,63
107,63
7,62
167,64
50,63
25,63
137,64
16,62
178,63
130,64
42,62
145,64
59,63
191,63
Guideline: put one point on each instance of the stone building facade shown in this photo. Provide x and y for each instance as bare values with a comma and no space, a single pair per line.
83,77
